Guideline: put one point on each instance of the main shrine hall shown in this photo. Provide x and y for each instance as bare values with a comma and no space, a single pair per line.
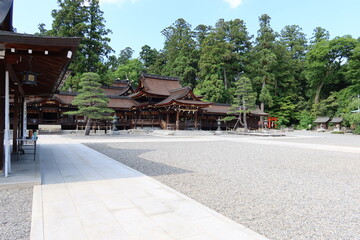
158,102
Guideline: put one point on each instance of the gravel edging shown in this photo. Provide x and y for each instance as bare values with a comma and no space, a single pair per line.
15,211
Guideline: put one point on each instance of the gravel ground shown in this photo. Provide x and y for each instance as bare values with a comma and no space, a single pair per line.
15,211
349,140
283,193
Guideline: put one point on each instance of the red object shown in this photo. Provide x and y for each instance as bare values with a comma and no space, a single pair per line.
272,122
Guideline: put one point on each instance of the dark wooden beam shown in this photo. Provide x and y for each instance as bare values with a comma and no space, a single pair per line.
16,120
2,111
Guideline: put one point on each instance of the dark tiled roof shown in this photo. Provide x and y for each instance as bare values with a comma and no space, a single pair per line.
336,120
219,108
322,120
156,85
121,102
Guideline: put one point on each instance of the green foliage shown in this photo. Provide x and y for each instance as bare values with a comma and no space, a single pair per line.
131,70
245,97
325,63
91,100
180,52
244,101
84,19
319,35
357,130
148,56
265,96
223,55
213,90
306,119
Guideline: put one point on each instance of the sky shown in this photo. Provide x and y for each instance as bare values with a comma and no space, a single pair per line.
136,23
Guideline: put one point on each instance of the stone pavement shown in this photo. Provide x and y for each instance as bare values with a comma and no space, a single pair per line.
86,195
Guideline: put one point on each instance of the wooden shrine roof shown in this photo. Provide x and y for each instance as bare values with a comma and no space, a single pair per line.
336,120
156,85
122,103
6,15
322,120
115,102
218,108
182,96
49,57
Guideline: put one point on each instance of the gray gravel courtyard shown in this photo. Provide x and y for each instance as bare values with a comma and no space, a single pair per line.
279,191
15,211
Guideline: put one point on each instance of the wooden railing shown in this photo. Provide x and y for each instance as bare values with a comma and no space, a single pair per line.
145,122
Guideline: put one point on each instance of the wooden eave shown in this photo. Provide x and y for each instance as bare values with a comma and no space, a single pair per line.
49,57
198,104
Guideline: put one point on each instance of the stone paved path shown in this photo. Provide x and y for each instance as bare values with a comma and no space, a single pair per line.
86,195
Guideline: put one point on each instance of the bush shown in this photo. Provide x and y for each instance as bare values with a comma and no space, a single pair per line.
357,130
305,119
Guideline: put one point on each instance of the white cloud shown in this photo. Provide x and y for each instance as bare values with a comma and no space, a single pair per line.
118,2
234,3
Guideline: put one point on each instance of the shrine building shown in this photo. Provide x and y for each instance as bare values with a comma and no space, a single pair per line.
158,102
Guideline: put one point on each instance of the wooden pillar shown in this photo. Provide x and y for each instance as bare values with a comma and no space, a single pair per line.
196,120
167,118
2,111
15,120
177,119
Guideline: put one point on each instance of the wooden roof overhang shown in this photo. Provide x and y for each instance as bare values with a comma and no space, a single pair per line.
186,103
156,86
140,93
122,103
48,57
6,15
224,109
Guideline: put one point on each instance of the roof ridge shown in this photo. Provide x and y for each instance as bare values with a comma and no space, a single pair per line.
181,88
160,77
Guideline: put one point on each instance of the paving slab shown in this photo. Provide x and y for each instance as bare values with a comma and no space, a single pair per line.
87,195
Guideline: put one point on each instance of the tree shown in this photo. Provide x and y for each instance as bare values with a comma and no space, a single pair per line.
223,56
148,56
180,52
91,100
125,55
131,71
324,64
96,42
264,60
244,101
84,19
319,34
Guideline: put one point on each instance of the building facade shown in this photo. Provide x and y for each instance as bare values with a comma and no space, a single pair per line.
158,102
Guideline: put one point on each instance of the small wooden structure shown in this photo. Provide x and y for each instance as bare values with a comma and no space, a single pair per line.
322,123
336,121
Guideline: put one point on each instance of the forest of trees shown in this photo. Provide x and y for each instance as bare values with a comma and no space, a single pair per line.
294,77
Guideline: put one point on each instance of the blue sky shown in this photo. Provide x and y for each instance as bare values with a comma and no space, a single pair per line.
138,22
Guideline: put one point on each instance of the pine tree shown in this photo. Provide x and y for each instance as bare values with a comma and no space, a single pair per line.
91,100
244,101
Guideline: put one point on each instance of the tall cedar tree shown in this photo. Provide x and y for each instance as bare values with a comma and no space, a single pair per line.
244,101
82,18
265,59
91,100
223,55
180,52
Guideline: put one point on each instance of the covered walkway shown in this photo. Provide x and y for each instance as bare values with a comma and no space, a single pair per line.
86,195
